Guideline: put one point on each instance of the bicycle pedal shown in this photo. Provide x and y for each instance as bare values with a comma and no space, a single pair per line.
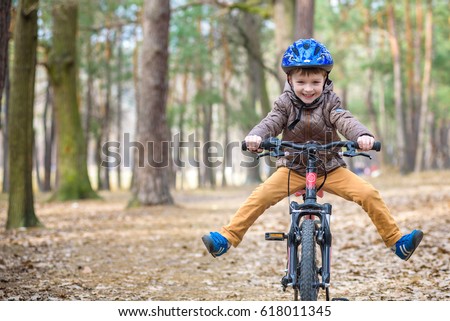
275,236
340,299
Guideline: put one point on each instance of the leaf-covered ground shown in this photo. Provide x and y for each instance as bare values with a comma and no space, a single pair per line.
99,250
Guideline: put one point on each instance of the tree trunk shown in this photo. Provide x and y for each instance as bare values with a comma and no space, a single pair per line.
371,74
444,143
151,183
5,18
21,200
304,23
49,138
119,102
410,113
250,32
4,127
106,114
138,98
284,19
180,165
209,174
89,90
398,85
384,123
417,81
73,179
37,166
426,83
226,74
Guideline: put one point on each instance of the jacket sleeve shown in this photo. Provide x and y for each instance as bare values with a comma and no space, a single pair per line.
345,122
274,123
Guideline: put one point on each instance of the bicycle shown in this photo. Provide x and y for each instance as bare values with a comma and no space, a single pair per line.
304,273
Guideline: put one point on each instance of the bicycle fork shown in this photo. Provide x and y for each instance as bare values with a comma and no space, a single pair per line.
323,238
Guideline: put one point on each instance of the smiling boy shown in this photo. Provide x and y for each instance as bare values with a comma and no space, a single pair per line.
309,110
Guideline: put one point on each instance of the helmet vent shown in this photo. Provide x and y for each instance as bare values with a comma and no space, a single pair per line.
295,50
317,50
306,46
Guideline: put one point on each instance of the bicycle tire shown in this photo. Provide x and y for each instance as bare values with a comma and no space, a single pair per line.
308,271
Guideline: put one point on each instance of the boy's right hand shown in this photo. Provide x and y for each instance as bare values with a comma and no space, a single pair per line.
253,142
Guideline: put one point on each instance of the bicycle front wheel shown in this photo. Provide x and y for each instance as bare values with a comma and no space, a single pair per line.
308,271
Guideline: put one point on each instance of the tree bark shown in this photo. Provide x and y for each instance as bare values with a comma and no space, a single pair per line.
106,112
371,74
5,19
410,113
89,90
119,102
284,18
398,85
226,74
426,83
4,128
256,81
151,182
304,19
21,200
49,138
73,179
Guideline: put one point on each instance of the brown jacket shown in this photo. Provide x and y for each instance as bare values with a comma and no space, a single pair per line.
320,121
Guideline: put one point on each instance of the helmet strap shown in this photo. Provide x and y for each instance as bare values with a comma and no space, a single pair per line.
326,80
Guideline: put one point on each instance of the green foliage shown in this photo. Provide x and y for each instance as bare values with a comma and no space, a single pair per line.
189,34
197,51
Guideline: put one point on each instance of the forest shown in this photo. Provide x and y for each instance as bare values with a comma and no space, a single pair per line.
118,115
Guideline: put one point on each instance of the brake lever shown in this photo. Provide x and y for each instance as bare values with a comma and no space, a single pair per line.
353,154
262,155
364,154
276,152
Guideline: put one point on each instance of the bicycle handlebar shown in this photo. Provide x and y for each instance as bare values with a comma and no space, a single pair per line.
273,142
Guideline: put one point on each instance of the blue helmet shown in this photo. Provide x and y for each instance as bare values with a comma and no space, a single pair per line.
306,53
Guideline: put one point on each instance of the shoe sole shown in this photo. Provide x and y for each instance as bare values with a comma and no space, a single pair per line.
208,244
416,240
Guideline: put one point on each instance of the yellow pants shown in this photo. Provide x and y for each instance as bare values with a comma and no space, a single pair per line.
341,182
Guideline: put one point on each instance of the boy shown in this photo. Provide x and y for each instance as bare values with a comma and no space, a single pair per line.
308,109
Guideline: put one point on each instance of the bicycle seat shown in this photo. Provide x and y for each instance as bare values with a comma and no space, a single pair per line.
302,192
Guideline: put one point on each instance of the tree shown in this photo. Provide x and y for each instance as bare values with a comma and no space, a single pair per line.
398,86
5,17
304,23
426,84
151,182
73,180
21,201
284,19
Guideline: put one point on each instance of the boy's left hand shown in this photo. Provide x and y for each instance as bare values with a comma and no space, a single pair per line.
365,142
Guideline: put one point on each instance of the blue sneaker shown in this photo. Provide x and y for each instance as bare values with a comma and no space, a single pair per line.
405,247
216,243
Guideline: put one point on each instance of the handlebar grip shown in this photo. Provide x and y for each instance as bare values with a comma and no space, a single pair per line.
264,145
244,145
376,146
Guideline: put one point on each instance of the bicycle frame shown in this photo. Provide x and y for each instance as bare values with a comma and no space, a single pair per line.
309,210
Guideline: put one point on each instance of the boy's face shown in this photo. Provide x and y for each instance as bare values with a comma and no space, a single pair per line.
307,87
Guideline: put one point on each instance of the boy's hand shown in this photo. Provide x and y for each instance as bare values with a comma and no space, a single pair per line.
253,142
365,142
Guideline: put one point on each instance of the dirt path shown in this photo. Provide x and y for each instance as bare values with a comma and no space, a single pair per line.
98,250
